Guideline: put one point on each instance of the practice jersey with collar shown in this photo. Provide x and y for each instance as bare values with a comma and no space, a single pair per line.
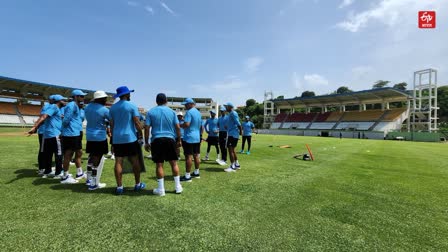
192,134
41,129
71,123
53,123
247,128
122,115
97,117
162,121
222,123
233,122
211,126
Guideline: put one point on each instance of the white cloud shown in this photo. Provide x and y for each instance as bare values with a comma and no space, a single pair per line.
168,9
149,9
346,3
315,79
132,3
388,12
253,64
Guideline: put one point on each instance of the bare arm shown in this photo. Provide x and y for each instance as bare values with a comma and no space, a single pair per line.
179,140
37,124
138,126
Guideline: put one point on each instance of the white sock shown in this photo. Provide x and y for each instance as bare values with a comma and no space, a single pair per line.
177,181
119,187
161,184
79,170
187,175
236,162
233,165
196,171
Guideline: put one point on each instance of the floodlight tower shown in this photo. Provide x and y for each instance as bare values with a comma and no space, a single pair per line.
268,109
423,111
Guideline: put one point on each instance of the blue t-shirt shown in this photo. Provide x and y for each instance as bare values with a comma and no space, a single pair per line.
222,122
212,129
247,128
192,134
181,129
96,115
122,114
53,123
163,121
41,129
232,124
71,123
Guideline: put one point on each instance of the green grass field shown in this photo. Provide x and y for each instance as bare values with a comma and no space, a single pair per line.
357,195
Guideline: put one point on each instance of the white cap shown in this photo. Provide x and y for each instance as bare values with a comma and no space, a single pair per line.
180,113
99,94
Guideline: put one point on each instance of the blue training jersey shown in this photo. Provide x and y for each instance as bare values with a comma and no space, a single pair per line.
122,114
53,123
71,123
211,127
41,129
192,134
247,128
162,121
97,117
232,124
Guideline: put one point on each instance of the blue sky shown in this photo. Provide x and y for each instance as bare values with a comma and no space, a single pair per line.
229,50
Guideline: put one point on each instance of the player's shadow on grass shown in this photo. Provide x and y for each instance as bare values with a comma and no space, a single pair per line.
128,191
23,173
214,169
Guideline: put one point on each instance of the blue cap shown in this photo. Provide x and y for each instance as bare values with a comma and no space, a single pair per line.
222,108
247,117
57,98
51,97
229,104
188,101
77,92
122,91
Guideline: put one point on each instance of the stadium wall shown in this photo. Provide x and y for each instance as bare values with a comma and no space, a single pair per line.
331,133
415,136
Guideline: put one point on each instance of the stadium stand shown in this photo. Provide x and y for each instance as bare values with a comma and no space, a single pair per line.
9,119
28,109
30,119
8,108
335,123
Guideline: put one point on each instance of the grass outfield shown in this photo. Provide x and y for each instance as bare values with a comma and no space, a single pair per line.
357,195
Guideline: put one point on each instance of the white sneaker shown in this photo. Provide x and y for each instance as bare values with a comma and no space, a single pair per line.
149,156
71,163
48,175
205,159
59,176
69,180
109,154
40,172
222,162
179,189
112,157
230,169
99,186
158,192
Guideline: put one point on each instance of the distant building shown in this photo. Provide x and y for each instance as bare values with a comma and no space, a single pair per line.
204,105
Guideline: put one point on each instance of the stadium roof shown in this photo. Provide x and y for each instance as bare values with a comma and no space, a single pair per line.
16,88
197,100
372,96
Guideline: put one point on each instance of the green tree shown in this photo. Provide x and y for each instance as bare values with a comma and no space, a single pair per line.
442,99
280,97
380,84
308,94
343,90
401,86
250,102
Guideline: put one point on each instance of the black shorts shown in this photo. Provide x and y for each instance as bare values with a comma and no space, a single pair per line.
232,142
52,145
126,149
97,148
191,148
213,140
73,143
163,149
